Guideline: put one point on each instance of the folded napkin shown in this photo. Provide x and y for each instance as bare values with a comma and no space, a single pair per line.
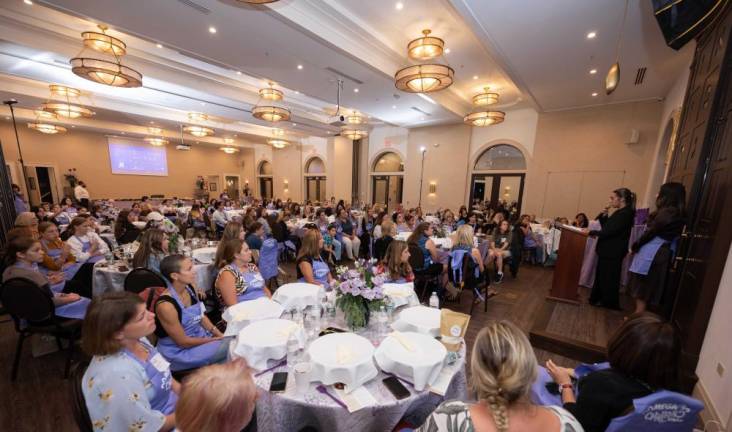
344,355
402,340
241,315
285,332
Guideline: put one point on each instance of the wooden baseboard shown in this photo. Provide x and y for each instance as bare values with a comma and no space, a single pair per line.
709,413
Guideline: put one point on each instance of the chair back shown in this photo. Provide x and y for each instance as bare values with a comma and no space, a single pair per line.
416,257
662,411
460,267
78,403
585,368
139,279
268,259
25,300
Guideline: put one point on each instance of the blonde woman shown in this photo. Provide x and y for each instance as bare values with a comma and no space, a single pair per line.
218,398
503,367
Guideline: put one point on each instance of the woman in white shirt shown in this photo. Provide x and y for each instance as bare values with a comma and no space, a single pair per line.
503,368
85,244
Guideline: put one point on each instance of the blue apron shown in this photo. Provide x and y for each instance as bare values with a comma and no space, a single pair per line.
163,397
75,310
644,258
68,270
85,246
187,358
253,285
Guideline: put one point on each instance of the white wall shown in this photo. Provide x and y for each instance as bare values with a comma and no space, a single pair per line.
717,349
387,137
519,126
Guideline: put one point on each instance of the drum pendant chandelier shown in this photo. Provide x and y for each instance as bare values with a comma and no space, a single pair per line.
66,109
270,112
484,117
109,71
198,131
354,134
428,77
277,143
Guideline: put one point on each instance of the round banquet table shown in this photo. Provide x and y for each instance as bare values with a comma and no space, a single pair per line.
109,278
287,411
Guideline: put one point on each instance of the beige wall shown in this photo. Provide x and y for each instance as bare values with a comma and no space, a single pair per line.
445,163
88,153
287,166
339,165
580,156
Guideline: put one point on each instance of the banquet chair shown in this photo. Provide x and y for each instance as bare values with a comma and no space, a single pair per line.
33,312
268,261
145,283
424,284
662,411
78,403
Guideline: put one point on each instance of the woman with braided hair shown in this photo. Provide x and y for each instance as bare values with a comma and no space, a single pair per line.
503,367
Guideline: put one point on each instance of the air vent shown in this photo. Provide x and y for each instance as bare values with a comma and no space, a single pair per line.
640,76
341,74
195,6
421,112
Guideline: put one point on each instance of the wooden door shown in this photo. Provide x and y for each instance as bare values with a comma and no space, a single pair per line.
701,162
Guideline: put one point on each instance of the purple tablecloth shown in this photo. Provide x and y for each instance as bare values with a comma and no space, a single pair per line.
587,275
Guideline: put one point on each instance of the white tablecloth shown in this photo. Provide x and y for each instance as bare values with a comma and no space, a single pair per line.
110,279
298,295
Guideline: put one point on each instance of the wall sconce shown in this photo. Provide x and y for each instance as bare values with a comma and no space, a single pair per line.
433,187
287,186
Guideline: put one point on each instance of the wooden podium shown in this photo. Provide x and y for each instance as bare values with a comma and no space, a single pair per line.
571,253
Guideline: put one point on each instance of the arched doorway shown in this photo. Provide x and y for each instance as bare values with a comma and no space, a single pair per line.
264,173
387,179
498,177
315,180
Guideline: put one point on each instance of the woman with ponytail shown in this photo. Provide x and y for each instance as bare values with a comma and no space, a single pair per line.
612,246
502,367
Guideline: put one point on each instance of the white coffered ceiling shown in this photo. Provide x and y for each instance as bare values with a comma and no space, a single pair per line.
534,53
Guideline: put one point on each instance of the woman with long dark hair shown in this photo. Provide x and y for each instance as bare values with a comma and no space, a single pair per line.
124,231
654,251
612,246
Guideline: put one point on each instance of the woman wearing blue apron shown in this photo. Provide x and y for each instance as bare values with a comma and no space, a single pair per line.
654,251
310,267
128,385
188,339
238,279
21,260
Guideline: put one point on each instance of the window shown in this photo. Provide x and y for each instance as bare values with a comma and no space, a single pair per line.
500,157
315,166
389,162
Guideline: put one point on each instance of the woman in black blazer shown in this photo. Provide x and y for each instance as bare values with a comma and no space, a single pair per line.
612,246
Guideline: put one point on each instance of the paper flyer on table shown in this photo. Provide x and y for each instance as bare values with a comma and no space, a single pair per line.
358,399
443,380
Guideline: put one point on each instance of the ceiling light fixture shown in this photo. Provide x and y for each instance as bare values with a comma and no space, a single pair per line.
157,142
278,132
594,94
593,71
228,140
229,150
299,67
354,134
47,128
198,131
447,50
591,35
271,93
399,6
277,143
67,109
612,79
45,115
355,90
271,112
212,30
355,119
197,117
159,45
484,118
424,78
28,2
154,130
238,72
485,98
108,72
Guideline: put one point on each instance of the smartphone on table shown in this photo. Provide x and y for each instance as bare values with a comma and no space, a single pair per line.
279,382
396,387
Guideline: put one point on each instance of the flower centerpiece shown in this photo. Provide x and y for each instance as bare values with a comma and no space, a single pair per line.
359,292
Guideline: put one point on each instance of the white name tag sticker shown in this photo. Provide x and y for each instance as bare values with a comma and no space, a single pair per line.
160,363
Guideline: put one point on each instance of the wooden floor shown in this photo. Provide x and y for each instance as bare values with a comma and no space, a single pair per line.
38,400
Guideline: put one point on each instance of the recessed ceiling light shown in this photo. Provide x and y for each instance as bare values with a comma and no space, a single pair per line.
28,2
124,133
212,30
594,94
355,90
159,45
447,50
475,76
393,107
399,6
591,35
297,92
294,124
152,122
593,71
299,67
238,72
73,126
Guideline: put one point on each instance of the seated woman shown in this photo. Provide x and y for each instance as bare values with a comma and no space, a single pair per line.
29,222
401,224
421,237
217,398
57,258
388,232
238,279
349,239
128,385
153,248
462,215
581,221
255,236
22,256
531,242
219,218
68,206
500,247
310,266
124,231
503,368
59,216
395,264
197,221
85,244
187,339
448,221
643,354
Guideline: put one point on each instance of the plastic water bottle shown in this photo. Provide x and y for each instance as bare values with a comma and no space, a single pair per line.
382,322
293,350
434,301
